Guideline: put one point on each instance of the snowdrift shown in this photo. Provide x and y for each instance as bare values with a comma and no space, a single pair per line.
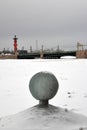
49,117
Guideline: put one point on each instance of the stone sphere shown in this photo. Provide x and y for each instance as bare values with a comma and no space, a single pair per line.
43,86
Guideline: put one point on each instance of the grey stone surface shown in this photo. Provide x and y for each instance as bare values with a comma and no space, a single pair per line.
43,86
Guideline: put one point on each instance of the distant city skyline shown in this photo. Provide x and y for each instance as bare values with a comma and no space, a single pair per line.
51,22
37,44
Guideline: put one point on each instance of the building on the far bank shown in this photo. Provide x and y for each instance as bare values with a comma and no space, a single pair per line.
8,56
81,52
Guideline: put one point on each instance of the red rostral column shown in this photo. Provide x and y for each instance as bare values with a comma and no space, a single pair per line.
15,43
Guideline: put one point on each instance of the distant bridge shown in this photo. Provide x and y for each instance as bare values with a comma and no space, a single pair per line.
46,55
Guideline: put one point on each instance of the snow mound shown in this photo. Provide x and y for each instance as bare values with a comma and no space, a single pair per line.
68,57
40,118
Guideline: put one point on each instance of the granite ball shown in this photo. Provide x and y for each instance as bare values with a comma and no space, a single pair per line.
43,86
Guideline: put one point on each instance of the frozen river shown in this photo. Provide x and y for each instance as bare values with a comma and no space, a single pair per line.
15,76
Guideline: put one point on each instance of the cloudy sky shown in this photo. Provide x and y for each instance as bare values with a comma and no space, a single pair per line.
51,22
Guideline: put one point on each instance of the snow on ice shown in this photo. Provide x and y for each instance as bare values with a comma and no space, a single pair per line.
72,95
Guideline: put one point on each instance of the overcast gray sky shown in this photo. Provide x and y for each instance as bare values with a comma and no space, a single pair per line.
51,22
